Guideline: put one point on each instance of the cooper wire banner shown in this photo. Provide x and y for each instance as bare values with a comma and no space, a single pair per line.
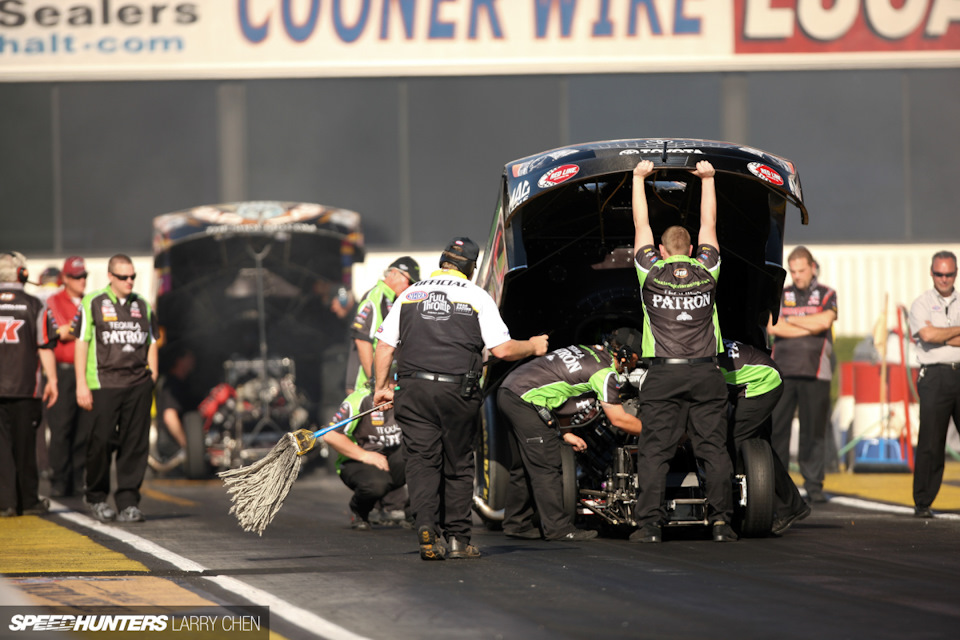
64,40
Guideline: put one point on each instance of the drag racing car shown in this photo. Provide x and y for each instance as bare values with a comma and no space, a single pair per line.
257,292
559,260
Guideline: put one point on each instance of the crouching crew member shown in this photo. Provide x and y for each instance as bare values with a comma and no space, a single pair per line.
371,459
681,335
437,330
755,387
527,398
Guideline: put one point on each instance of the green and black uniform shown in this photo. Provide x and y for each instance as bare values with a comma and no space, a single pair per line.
681,336
755,386
559,378
119,334
371,311
377,431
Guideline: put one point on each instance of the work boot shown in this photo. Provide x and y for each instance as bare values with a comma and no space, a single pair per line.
39,509
523,534
462,550
781,524
358,522
923,512
430,547
647,533
722,532
577,535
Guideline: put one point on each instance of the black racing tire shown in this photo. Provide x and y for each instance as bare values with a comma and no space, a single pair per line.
195,467
571,492
755,461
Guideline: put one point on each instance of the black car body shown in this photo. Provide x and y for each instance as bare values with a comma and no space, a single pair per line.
249,287
559,258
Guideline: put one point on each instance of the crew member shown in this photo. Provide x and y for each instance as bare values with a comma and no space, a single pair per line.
935,322
681,335
754,386
803,350
372,309
175,398
528,396
68,444
437,330
116,368
370,459
27,336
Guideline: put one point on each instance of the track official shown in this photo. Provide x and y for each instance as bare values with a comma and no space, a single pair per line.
438,329
116,368
755,386
681,335
27,336
528,396
935,321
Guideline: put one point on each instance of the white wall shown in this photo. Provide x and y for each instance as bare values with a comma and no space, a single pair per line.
861,274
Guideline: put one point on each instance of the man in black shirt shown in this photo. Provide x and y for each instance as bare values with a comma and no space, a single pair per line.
681,335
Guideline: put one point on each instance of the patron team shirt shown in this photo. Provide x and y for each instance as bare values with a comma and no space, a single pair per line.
574,373
371,311
119,334
440,323
679,306
806,356
25,326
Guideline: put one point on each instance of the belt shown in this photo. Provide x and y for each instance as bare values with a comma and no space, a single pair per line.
65,365
435,377
683,360
951,365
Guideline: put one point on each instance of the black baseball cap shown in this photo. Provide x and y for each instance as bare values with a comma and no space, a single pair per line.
463,247
628,337
409,267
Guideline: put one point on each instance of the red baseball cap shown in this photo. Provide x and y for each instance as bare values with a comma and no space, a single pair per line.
75,267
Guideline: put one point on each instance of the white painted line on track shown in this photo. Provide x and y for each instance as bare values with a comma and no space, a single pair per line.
301,618
870,505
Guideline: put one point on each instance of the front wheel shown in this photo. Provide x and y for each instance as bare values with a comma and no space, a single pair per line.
755,463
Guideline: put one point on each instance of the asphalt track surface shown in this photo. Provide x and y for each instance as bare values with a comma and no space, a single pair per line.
856,568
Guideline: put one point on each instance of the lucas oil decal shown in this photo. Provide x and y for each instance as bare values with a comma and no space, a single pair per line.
557,175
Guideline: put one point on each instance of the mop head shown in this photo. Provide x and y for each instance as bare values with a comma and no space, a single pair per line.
259,489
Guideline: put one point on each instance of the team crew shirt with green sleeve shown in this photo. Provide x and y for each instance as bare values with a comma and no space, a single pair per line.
371,311
564,374
119,337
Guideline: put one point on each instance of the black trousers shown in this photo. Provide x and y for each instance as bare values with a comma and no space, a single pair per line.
19,476
119,422
370,484
751,418
939,390
67,452
439,431
812,397
665,390
536,478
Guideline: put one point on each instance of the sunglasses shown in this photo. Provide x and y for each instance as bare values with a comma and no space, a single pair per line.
82,276
132,276
944,275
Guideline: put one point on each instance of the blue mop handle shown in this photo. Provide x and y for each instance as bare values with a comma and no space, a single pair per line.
327,429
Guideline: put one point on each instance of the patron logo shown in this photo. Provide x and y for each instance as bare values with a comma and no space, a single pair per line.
571,358
698,301
435,307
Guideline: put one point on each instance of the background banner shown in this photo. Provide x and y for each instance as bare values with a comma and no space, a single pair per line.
64,40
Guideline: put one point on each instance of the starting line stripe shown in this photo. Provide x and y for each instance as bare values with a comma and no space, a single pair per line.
869,505
301,618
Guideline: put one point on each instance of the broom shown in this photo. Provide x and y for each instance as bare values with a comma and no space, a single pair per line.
259,489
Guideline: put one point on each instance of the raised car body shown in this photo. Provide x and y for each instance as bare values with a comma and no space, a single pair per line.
560,255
